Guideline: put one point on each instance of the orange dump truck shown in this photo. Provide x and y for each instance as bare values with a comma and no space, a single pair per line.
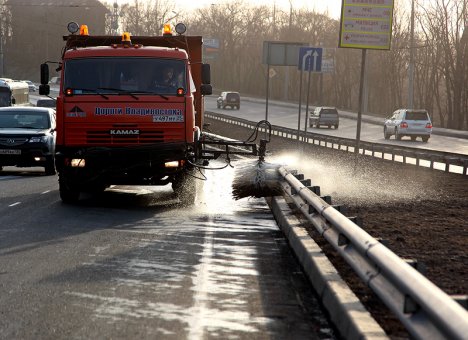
120,119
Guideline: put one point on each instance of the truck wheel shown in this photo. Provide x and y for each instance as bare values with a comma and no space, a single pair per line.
50,166
68,193
185,187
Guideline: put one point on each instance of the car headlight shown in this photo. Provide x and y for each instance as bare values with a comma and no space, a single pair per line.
39,139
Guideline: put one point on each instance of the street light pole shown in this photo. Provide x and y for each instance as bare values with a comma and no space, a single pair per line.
411,62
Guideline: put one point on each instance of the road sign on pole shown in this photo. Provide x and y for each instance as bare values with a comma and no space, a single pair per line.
310,59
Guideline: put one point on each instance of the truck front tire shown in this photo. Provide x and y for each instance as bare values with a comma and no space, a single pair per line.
185,187
68,193
50,166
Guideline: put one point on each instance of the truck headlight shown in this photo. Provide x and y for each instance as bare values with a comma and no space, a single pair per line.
78,163
173,164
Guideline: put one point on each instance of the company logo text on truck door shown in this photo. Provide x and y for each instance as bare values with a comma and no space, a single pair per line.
159,115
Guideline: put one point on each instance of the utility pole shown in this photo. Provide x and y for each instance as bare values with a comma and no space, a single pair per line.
1,49
411,62
1,44
115,19
286,81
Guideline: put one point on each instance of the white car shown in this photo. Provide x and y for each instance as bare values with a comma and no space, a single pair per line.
407,122
32,86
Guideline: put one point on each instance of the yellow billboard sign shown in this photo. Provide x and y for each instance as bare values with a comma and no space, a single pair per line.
366,24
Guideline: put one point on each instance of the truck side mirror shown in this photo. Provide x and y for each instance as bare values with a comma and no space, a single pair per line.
44,74
206,74
44,89
206,89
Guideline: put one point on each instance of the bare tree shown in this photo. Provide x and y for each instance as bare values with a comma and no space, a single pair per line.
146,17
443,25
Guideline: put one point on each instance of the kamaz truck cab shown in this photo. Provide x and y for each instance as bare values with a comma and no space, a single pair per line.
116,123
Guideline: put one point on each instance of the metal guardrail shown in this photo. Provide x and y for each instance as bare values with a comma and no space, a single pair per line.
407,155
423,308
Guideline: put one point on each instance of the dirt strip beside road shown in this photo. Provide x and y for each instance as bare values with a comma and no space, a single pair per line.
421,214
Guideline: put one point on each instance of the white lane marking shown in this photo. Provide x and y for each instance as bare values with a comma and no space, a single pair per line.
45,192
16,203
201,287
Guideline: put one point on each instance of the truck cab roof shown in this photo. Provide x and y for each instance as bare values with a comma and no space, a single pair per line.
110,51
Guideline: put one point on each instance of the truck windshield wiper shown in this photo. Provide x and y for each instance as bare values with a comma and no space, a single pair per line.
119,91
93,91
132,93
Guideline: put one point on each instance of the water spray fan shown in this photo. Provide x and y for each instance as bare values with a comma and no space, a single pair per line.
258,178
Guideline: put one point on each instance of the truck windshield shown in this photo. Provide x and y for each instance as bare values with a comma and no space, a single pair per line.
110,75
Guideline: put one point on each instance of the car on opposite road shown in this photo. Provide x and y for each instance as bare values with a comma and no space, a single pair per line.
32,86
408,122
27,137
228,98
324,116
54,81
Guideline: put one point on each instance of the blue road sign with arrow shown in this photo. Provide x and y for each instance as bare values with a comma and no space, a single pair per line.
310,59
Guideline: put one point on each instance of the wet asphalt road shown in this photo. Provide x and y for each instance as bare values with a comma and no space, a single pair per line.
134,263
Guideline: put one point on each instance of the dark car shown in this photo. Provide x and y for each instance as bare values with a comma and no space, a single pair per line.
27,137
231,99
46,103
324,116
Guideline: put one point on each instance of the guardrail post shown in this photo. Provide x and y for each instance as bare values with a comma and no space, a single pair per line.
306,182
300,177
465,166
383,241
327,199
418,158
315,189
409,305
419,266
356,220
342,240
461,299
340,208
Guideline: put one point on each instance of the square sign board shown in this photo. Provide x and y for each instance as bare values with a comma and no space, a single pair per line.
281,53
366,24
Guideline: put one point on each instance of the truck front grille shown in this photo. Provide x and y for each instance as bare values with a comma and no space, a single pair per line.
87,134
104,137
